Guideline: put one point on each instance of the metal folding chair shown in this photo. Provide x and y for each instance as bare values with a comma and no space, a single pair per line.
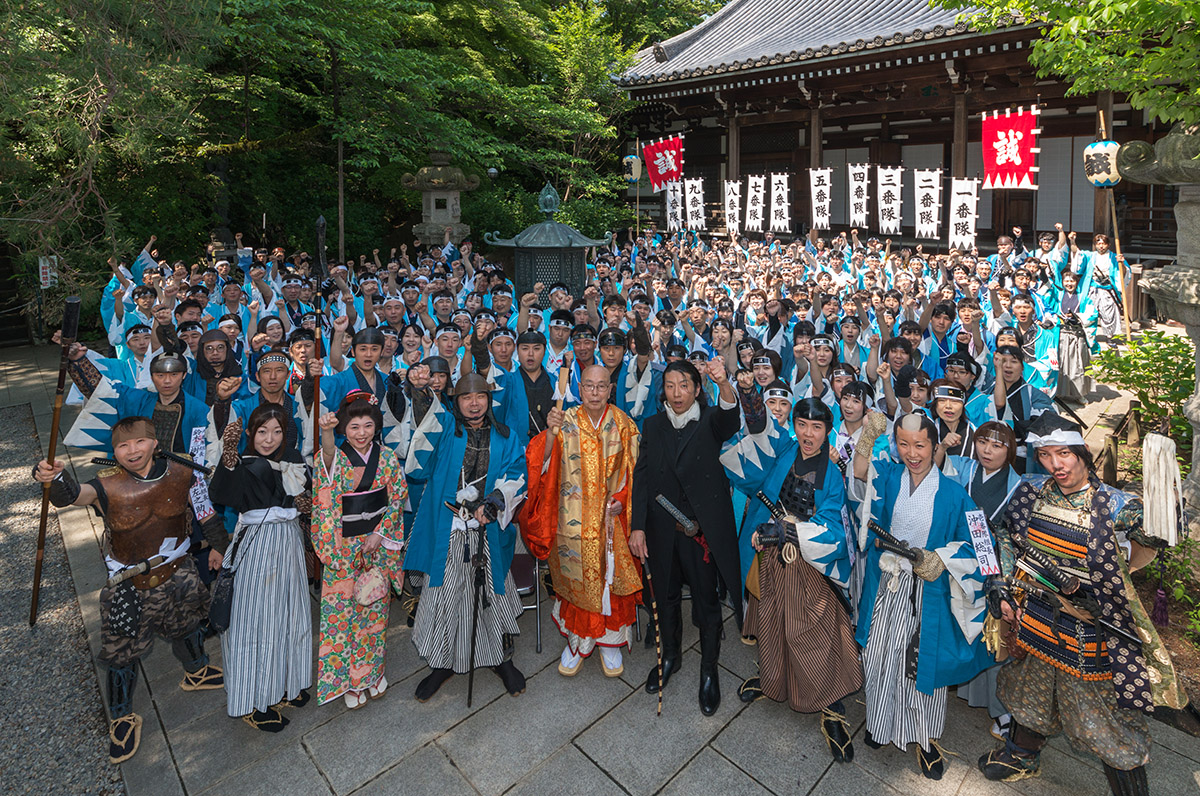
527,574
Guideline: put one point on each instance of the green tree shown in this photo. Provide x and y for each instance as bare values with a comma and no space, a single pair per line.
89,90
643,22
1147,49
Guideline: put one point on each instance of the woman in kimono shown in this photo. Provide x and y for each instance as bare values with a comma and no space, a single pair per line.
990,480
357,524
954,430
919,635
806,648
268,646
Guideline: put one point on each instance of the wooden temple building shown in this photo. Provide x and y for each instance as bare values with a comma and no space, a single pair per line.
767,86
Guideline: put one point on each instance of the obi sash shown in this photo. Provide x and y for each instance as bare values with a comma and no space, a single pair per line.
363,510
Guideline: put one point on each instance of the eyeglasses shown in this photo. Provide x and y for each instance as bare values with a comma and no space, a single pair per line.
594,387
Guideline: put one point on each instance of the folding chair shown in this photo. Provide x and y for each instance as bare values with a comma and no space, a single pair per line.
527,574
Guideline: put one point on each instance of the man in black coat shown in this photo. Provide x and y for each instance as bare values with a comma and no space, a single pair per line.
679,459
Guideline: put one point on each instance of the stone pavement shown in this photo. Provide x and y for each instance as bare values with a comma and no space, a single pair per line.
584,735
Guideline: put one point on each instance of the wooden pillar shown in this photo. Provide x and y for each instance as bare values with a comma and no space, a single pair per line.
1101,219
958,149
733,148
816,131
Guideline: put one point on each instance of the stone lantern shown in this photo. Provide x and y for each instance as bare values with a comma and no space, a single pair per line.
548,251
440,185
1175,160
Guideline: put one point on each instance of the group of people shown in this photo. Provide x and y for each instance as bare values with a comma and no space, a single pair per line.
854,450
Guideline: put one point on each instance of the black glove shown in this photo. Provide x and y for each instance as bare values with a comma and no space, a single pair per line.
641,339
996,591
64,490
491,508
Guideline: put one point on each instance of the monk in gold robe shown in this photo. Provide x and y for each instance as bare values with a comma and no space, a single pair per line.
576,517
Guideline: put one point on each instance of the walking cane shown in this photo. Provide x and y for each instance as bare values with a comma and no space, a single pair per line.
70,329
657,632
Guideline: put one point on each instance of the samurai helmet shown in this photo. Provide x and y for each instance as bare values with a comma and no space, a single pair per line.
471,382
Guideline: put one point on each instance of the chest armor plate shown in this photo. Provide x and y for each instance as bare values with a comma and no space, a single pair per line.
1060,531
141,514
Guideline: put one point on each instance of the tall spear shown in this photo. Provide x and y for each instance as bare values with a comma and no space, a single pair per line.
70,329
322,268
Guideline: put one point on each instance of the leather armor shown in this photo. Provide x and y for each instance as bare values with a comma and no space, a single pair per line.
141,514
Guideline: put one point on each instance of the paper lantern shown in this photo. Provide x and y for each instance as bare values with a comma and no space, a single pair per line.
1100,163
632,166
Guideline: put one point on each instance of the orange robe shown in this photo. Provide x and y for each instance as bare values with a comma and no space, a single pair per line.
564,523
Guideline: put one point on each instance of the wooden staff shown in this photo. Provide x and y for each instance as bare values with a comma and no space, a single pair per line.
564,383
1112,209
70,329
322,270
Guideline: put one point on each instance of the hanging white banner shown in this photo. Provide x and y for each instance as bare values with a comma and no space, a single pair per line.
781,205
964,207
928,200
693,191
733,207
674,194
889,181
755,203
820,183
859,193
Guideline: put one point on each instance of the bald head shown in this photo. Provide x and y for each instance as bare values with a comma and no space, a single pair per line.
597,372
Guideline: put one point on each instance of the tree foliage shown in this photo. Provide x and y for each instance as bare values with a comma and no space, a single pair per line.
121,119
1147,49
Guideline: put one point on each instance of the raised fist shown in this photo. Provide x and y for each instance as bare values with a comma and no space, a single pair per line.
229,443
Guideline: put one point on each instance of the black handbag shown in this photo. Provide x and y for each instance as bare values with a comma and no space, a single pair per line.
220,608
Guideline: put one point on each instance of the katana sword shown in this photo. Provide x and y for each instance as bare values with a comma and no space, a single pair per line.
689,526
885,541
105,461
140,568
1051,596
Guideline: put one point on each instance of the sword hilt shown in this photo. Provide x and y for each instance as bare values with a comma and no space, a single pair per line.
885,541
689,526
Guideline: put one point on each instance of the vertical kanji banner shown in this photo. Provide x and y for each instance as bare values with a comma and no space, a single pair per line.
781,203
755,203
928,200
733,207
820,181
664,161
1010,149
889,180
693,191
674,195
859,178
964,207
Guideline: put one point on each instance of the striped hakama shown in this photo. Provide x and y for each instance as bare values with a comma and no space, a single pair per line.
897,713
268,648
806,648
442,629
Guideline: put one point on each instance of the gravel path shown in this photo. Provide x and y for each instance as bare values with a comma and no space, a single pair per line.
55,737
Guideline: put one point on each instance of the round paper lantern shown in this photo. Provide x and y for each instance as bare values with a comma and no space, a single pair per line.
632,166
1100,163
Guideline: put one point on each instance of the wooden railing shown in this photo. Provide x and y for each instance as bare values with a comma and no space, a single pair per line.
1148,230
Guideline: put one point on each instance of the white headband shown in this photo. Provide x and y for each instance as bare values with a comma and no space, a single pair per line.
1058,436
